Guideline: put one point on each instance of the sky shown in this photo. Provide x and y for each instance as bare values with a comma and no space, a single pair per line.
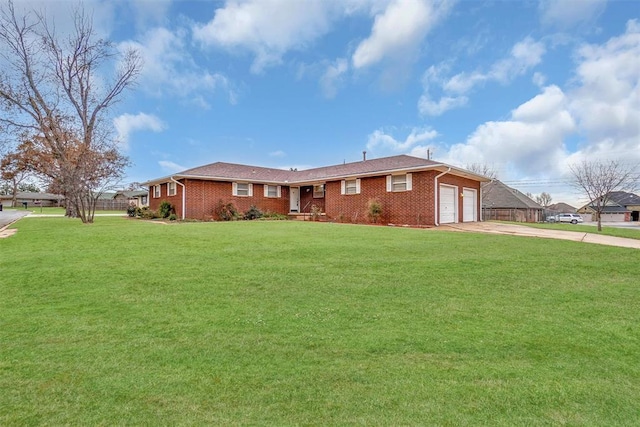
527,88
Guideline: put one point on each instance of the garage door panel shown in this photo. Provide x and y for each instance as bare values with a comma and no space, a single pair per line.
469,205
447,205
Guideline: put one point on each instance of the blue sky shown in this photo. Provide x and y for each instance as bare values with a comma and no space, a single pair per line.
526,87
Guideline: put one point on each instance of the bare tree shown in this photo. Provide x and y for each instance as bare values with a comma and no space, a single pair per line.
544,199
56,100
483,169
598,179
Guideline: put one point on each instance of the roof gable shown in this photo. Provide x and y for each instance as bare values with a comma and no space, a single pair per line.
496,194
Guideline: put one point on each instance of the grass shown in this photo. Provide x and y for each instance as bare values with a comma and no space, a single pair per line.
302,323
630,233
61,211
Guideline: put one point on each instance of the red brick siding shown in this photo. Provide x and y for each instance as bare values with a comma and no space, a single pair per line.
415,207
203,197
307,200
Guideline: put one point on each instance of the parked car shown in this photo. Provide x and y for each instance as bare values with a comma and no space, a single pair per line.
569,217
551,218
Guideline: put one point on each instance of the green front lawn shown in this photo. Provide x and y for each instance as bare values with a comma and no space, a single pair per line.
303,323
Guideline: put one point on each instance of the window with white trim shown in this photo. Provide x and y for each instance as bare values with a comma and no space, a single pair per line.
350,186
318,191
242,189
399,182
156,191
272,191
171,188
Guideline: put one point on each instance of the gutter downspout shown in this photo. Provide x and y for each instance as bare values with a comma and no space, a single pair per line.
436,211
184,196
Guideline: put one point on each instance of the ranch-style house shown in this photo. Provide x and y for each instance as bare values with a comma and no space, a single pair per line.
410,191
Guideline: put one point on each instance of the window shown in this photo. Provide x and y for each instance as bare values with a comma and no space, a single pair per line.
350,186
242,189
156,191
143,201
318,191
171,189
272,191
399,182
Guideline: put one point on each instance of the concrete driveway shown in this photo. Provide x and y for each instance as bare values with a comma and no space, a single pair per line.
522,230
8,217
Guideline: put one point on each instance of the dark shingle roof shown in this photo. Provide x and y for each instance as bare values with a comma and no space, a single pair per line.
496,194
623,198
231,171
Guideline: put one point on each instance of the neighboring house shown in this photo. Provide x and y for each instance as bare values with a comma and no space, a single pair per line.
411,191
32,199
137,198
503,203
558,208
622,206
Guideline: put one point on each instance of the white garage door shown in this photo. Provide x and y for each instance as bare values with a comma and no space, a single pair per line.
447,204
469,205
612,217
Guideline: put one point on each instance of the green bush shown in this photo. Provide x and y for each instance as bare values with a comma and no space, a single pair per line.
146,213
226,211
374,210
173,217
131,211
165,209
274,216
253,213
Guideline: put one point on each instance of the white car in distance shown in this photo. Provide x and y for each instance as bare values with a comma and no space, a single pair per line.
569,217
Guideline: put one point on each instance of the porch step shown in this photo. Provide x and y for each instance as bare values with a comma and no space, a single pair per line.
307,217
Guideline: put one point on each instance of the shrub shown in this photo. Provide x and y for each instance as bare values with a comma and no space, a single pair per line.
132,211
274,216
165,209
374,210
173,217
253,213
315,212
226,211
147,213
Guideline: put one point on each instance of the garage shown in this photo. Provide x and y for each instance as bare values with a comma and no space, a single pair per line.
469,205
448,212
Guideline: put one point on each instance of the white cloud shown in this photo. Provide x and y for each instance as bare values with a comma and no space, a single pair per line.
381,141
333,77
565,14
171,167
277,153
428,107
606,99
524,55
398,30
266,28
169,68
125,124
596,117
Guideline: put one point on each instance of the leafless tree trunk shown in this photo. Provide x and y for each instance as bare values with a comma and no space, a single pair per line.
598,179
55,99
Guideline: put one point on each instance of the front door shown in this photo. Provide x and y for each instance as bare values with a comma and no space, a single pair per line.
294,199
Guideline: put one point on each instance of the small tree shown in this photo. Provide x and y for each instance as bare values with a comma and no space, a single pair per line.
598,179
14,170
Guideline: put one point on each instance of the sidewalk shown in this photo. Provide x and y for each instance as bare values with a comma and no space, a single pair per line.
522,230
